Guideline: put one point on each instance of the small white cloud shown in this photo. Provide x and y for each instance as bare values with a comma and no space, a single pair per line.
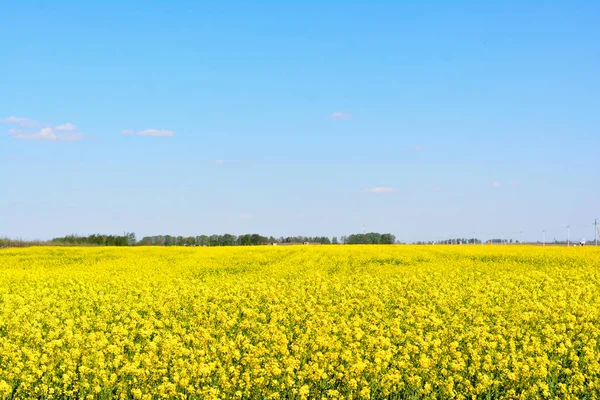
21,121
416,148
149,132
383,189
66,127
495,184
155,132
218,162
48,134
29,130
246,216
340,115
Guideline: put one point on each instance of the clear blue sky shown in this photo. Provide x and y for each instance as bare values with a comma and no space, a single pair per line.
423,119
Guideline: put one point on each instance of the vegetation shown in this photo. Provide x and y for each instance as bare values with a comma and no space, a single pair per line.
228,240
370,238
6,242
300,322
128,239
254,239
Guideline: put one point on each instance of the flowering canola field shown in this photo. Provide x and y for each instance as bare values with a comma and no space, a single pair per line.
300,322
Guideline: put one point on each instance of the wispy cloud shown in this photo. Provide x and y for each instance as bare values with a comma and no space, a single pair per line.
340,115
149,132
66,127
29,129
495,184
416,148
245,216
21,121
383,189
155,132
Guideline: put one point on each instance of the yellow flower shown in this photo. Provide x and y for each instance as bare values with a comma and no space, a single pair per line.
335,321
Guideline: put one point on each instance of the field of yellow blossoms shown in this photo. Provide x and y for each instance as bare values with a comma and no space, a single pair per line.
299,322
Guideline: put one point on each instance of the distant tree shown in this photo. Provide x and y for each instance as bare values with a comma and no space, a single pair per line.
214,240
245,240
388,238
256,239
334,240
228,240
374,238
370,238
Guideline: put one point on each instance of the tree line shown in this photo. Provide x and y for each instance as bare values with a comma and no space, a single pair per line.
256,239
471,241
128,239
249,239
370,238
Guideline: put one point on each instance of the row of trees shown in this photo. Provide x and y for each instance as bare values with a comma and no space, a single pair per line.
227,239
469,241
128,239
254,239
370,238
6,242
205,240
459,241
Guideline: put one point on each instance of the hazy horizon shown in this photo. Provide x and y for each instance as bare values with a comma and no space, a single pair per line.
427,121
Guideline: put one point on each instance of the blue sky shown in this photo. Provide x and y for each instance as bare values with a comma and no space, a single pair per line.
424,119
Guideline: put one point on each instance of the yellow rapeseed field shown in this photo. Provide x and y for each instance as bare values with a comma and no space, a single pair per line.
300,322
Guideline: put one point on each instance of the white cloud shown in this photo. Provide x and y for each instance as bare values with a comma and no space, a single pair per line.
29,130
340,115
417,148
21,121
495,184
48,134
66,127
383,189
218,162
155,132
246,216
149,132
